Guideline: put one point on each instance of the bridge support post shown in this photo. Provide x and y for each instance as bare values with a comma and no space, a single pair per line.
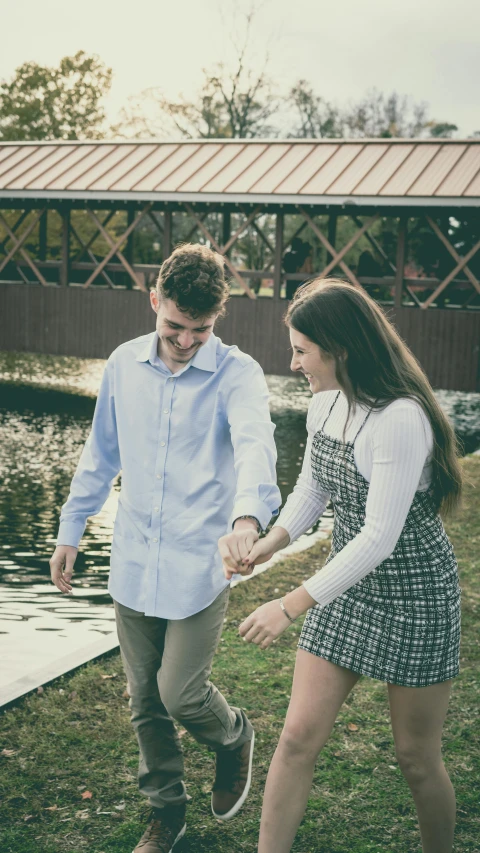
65,260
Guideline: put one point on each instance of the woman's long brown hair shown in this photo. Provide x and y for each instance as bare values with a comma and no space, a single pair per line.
373,366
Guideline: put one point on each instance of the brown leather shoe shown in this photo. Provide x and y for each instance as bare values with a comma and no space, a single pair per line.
232,780
166,827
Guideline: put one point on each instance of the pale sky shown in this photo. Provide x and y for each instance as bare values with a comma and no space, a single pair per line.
428,49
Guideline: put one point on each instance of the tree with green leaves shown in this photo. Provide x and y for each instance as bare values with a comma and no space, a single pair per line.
41,102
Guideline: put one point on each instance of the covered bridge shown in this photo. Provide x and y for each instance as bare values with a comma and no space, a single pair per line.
85,225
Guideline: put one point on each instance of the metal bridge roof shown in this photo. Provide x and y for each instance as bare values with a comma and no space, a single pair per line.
334,172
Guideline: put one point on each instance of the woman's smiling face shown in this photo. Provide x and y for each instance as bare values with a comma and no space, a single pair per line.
316,365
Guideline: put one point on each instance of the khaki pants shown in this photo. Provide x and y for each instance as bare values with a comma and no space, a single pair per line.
168,664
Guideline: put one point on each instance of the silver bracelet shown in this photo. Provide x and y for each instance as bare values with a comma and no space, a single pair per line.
286,612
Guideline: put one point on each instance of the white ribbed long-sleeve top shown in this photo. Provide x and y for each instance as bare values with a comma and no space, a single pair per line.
392,452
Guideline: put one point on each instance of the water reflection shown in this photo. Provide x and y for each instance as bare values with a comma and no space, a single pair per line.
41,436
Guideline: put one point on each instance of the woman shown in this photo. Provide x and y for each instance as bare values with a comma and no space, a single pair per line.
388,603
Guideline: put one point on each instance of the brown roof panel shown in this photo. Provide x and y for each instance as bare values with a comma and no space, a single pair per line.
189,168
308,166
461,176
360,167
96,173
123,167
8,167
257,169
437,170
23,168
410,170
7,151
281,169
473,188
372,182
144,166
175,158
70,156
234,169
207,172
320,183
54,155
92,155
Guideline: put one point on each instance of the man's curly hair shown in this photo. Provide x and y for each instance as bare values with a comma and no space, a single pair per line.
193,277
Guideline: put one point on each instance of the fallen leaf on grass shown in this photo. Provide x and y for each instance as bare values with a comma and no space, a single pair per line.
40,690
73,694
83,814
51,808
106,677
7,753
28,817
120,807
181,732
87,795
125,694
352,727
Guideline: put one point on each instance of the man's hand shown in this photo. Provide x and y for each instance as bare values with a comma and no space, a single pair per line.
61,566
236,546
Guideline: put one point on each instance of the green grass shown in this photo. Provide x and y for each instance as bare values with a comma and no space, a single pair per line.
75,737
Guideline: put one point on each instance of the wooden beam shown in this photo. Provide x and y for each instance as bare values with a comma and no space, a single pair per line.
65,257
90,255
43,236
446,281
115,250
375,244
18,247
400,263
226,226
321,236
86,246
456,257
15,227
221,251
233,239
167,234
277,275
343,251
332,233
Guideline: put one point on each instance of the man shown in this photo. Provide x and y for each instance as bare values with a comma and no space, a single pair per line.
186,419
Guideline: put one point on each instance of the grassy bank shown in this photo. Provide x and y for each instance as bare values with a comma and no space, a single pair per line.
68,755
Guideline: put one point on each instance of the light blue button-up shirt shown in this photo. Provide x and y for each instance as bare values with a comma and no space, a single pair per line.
196,451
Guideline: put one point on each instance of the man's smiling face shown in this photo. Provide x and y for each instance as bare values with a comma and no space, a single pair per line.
179,335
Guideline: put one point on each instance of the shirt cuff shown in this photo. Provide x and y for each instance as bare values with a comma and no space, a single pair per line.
253,507
70,533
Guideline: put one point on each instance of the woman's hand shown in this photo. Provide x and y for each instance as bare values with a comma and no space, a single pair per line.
265,624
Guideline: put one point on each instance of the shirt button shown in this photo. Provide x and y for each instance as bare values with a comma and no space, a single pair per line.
170,378
159,476
156,508
154,540
162,444
166,411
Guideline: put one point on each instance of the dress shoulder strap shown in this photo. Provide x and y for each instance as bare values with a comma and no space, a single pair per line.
330,411
362,424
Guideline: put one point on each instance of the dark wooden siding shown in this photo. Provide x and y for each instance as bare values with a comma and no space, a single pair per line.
91,323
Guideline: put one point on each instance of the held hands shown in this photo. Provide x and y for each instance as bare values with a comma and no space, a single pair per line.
61,567
234,550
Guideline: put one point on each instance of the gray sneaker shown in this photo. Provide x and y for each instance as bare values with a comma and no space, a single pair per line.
165,828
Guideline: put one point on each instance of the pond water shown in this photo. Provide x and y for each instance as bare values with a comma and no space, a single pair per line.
42,430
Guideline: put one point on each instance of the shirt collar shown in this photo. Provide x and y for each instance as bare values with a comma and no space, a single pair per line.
204,359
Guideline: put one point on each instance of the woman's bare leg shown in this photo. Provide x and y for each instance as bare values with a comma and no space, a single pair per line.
418,714
318,692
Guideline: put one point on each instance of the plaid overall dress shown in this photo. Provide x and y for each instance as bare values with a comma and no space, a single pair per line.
401,623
